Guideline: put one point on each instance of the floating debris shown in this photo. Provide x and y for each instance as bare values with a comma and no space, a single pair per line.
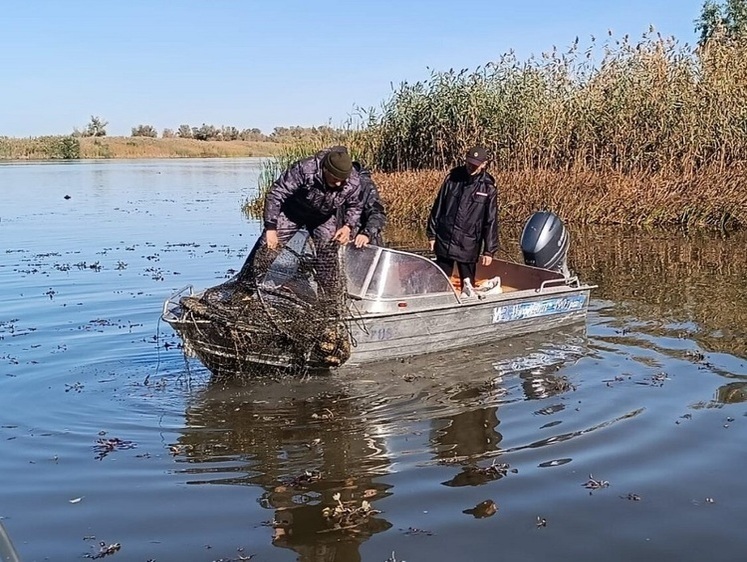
477,475
180,449
343,517
594,484
486,508
655,380
105,550
77,387
327,414
632,497
302,481
105,446
416,531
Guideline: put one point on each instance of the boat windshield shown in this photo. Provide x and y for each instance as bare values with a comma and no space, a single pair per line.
381,273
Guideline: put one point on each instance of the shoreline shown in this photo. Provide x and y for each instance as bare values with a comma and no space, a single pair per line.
66,147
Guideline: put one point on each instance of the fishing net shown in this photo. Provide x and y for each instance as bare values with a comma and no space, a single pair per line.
286,309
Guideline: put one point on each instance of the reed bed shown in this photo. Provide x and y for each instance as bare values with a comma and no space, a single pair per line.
53,147
145,147
647,107
711,199
70,147
616,133
647,133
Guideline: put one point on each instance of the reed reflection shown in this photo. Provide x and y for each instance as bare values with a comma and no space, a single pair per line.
307,446
732,393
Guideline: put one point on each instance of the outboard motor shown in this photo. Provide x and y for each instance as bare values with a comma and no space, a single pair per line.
544,242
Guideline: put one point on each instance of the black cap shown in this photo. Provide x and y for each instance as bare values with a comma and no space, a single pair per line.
338,164
477,155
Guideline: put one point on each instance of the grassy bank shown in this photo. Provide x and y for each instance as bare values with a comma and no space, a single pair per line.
68,147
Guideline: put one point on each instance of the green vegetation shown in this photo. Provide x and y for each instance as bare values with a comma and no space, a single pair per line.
722,21
96,128
59,147
148,147
655,133
145,131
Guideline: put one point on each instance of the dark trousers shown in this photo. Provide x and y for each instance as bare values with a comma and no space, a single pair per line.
465,269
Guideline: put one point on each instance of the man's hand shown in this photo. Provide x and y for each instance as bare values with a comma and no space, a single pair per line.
432,244
361,240
271,238
487,260
342,236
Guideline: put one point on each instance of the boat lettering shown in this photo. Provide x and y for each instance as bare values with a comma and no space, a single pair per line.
381,334
534,309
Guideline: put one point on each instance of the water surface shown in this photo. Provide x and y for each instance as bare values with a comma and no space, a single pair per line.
622,439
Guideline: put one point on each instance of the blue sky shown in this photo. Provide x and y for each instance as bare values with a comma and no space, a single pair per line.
254,63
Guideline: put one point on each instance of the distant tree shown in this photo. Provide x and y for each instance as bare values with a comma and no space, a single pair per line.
144,131
229,133
69,148
206,132
252,135
722,21
184,132
323,134
96,127
167,134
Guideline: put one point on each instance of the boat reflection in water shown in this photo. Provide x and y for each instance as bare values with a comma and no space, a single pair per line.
302,442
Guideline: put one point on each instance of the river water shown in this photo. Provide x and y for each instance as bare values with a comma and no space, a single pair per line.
621,439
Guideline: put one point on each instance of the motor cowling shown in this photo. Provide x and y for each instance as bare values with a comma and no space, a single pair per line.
544,242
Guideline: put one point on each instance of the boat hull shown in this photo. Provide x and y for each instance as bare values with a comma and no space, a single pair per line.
391,336
383,336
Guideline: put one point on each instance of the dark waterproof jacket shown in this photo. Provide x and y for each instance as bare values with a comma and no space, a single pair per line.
464,217
301,194
373,216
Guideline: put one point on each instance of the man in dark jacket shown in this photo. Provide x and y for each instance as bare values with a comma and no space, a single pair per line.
312,193
309,194
373,215
463,224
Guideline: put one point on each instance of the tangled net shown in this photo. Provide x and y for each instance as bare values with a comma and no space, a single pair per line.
286,309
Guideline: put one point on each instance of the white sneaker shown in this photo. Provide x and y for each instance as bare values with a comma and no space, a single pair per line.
468,291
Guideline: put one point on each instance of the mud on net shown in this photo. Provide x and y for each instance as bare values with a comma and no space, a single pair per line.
285,308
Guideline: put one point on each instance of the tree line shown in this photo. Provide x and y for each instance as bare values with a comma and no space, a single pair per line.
96,127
